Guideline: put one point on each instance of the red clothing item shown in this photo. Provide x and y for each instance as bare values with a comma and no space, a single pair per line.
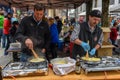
113,33
6,26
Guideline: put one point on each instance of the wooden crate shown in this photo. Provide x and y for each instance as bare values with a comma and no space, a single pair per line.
105,50
106,32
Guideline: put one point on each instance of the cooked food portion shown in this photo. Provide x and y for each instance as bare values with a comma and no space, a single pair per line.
37,60
60,62
91,59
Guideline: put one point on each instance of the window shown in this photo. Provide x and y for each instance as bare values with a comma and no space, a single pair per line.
81,8
119,1
112,2
95,3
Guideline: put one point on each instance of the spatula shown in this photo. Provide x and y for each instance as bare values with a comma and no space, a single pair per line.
87,55
34,53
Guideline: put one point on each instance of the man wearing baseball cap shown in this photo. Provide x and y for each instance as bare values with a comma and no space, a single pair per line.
87,36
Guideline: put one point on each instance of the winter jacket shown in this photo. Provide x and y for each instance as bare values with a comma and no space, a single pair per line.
113,33
38,33
54,33
1,21
6,25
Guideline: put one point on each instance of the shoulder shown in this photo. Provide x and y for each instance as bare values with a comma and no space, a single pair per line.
44,23
99,29
26,18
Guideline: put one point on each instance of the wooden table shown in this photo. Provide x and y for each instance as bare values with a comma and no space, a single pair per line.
72,76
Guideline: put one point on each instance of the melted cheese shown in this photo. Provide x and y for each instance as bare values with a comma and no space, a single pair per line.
37,60
91,59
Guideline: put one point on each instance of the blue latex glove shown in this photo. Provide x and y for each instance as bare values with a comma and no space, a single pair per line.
85,46
92,52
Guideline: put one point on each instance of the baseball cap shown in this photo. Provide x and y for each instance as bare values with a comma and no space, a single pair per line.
95,13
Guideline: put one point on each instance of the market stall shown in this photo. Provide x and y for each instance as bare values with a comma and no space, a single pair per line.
72,76
108,68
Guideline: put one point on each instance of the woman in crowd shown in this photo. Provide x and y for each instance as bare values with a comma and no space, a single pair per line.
113,33
54,37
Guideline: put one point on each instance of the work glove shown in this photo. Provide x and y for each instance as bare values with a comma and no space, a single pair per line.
85,46
92,52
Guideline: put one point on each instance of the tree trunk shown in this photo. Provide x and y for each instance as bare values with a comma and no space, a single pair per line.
88,8
105,11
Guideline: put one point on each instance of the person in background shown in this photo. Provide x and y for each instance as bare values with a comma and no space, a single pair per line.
59,24
1,25
14,18
81,19
6,28
113,33
12,32
87,36
34,34
54,37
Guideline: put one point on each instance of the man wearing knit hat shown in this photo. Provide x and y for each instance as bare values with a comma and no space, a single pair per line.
87,36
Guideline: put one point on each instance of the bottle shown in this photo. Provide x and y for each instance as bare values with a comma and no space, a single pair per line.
1,78
77,65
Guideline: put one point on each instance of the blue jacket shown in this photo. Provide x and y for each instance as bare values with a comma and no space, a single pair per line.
54,33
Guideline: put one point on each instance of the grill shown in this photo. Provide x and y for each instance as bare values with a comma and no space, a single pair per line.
106,64
26,69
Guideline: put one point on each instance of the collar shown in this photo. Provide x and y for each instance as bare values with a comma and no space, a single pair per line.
90,28
38,22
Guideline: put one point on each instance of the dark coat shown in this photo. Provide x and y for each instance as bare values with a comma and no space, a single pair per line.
38,33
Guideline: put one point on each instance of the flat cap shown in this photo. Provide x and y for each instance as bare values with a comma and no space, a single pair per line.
96,13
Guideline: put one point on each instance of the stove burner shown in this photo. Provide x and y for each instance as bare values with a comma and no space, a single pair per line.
105,65
92,65
38,65
20,68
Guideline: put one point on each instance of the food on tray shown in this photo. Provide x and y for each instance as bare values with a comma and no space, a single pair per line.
60,62
37,60
91,59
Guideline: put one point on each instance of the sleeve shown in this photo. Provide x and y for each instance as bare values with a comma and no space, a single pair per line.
75,33
20,32
100,39
12,31
6,23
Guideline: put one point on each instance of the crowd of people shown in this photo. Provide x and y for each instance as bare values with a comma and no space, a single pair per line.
35,32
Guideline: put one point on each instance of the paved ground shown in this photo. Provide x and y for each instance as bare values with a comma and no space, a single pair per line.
4,60
1,51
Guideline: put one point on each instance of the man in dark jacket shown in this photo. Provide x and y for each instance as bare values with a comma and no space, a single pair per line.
87,36
33,32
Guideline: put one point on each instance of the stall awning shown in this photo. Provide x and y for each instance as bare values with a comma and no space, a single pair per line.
47,3
84,13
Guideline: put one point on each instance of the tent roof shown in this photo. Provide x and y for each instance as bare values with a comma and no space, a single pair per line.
48,3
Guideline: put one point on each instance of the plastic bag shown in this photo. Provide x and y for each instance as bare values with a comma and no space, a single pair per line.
64,67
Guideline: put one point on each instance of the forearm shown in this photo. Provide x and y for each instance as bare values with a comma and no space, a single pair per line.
97,46
99,42
77,41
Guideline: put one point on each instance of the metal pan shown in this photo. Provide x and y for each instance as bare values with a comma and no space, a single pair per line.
29,60
91,62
